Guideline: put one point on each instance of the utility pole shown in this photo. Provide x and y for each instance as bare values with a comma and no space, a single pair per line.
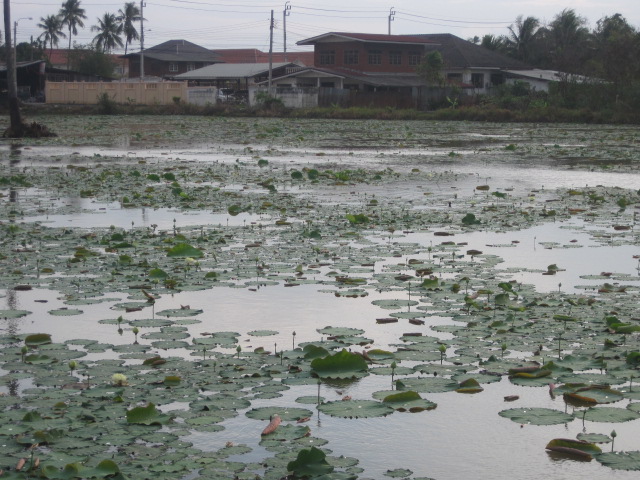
270,51
142,5
392,12
285,14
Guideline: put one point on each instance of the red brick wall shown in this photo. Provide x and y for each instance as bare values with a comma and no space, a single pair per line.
363,50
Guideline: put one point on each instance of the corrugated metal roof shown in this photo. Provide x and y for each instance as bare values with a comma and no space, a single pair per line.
229,70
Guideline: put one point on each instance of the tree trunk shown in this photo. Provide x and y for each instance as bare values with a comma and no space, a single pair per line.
12,84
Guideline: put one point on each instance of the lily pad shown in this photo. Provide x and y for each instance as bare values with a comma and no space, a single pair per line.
355,409
536,416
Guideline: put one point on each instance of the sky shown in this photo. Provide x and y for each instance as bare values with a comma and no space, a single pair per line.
218,24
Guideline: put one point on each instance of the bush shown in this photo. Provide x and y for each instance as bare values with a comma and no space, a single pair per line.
106,104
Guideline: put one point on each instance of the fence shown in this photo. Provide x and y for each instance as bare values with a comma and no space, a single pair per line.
88,93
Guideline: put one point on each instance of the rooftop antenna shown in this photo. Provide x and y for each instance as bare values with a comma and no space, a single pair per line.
392,12
285,13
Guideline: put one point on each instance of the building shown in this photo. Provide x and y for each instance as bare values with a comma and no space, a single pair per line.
253,55
170,58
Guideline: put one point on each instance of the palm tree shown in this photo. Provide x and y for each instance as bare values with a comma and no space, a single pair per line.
522,36
71,15
127,17
569,37
52,26
109,30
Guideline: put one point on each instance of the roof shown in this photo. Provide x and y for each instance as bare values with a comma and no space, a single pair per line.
3,67
459,53
230,70
367,38
375,79
546,75
253,55
178,51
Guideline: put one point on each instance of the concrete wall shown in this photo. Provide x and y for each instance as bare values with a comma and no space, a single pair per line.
87,93
291,97
202,95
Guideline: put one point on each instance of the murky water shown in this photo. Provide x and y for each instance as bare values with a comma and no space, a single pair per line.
463,437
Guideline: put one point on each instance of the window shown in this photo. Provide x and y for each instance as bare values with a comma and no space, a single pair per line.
375,57
395,58
328,84
454,77
351,57
415,58
328,57
173,67
191,67
477,79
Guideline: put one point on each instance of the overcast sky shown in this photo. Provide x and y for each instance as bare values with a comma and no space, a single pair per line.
245,23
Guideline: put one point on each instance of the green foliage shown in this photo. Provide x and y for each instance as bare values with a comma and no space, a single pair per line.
89,60
430,68
470,219
185,250
148,415
309,463
106,104
340,365
357,219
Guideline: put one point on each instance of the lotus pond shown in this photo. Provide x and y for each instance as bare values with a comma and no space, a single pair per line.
410,300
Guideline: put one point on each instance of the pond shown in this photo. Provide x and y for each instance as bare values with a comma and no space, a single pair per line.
235,269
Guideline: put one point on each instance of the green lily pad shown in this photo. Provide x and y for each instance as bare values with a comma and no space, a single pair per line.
148,415
355,409
310,463
341,365
185,250
408,401
620,460
536,416
14,313
610,415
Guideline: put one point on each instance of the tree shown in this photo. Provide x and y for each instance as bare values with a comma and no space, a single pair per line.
431,68
72,15
495,43
522,38
109,30
91,60
569,41
15,117
52,26
127,17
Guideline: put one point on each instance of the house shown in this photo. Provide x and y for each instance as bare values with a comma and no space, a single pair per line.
472,67
253,55
239,76
170,58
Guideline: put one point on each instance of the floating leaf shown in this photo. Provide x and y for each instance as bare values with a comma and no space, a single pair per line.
536,416
577,448
310,463
185,250
620,460
148,415
355,409
341,365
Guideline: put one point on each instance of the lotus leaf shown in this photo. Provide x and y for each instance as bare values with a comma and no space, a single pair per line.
398,473
310,463
290,414
408,400
185,250
610,415
620,460
536,416
340,365
37,339
594,437
355,409
576,448
469,385
14,313
148,415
